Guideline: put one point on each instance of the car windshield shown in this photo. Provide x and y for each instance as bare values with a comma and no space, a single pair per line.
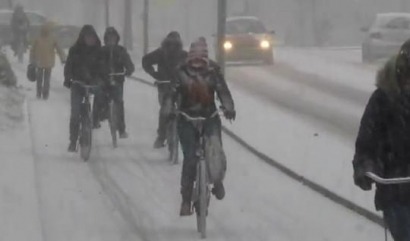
36,19
243,26
392,22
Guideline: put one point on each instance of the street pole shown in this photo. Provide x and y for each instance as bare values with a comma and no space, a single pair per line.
128,35
107,13
222,9
146,26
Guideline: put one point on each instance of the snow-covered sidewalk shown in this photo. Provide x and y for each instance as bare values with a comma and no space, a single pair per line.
19,209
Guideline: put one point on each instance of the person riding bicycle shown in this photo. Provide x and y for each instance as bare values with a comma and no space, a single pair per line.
84,64
20,25
382,145
167,58
116,60
198,82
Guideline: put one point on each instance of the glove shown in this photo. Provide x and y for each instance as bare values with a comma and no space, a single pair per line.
67,83
230,114
361,180
155,75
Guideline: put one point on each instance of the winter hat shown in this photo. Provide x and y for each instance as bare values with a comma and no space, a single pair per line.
198,50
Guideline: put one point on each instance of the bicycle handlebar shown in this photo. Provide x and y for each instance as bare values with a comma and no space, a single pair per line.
387,181
158,82
117,74
84,85
190,118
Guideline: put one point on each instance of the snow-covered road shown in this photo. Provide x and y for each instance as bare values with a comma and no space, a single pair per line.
131,193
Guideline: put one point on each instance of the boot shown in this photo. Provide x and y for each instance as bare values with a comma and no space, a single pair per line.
123,135
72,147
159,143
186,209
219,190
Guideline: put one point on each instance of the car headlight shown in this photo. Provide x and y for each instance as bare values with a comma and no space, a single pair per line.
265,44
228,45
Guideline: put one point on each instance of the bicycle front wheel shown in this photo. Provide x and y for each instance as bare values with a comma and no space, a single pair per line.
203,199
113,122
86,137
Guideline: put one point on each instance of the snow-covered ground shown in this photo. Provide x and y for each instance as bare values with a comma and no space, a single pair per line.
305,112
131,193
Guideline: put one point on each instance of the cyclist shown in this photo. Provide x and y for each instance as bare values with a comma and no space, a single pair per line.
19,25
167,58
84,63
116,60
198,81
382,145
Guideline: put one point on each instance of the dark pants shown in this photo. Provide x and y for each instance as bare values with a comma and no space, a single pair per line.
397,218
77,96
43,82
189,138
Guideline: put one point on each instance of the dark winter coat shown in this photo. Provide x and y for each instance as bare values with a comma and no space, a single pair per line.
19,22
166,64
197,104
85,63
116,58
383,142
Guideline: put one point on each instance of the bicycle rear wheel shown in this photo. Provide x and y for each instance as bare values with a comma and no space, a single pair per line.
203,199
86,136
113,122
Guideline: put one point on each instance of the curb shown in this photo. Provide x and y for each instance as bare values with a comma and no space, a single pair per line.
293,175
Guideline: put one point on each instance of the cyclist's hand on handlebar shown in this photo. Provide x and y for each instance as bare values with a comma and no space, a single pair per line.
67,83
230,114
361,180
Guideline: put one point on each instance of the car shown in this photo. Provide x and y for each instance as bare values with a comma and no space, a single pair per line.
385,36
65,34
248,40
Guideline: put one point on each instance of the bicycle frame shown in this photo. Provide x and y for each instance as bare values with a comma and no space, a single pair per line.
86,120
201,194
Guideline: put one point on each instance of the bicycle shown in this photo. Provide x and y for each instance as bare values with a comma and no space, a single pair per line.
387,181
172,132
86,123
113,110
201,194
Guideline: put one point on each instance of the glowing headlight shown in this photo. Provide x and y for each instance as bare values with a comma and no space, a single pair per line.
265,44
228,45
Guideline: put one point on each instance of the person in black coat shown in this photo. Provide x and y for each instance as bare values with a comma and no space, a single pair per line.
84,64
117,60
167,58
383,143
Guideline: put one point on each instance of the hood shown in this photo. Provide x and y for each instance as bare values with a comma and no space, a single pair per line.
172,37
87,29
47,28
388,77
111,31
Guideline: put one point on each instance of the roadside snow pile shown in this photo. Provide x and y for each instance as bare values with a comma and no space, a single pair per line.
11,108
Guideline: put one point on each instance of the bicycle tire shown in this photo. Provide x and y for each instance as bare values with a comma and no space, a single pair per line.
86,136
203,200
112,120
